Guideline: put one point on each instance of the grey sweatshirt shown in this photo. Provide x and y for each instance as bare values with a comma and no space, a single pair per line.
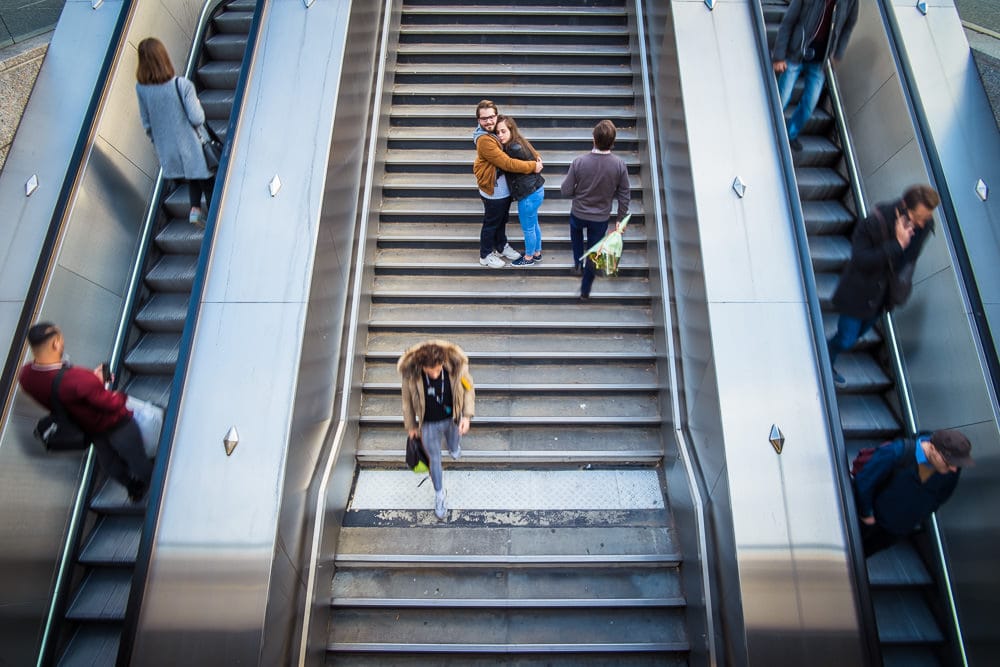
595,180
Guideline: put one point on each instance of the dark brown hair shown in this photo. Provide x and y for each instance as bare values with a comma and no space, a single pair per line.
154,62
916,195
40,333
604,135
515,135
429,355
486,104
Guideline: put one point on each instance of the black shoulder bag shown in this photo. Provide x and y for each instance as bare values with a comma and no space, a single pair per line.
211,145
56,431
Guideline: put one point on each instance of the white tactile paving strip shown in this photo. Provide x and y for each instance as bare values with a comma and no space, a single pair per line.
511,490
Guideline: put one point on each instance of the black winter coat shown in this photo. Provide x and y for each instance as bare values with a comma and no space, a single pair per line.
801,22
522,185
875,255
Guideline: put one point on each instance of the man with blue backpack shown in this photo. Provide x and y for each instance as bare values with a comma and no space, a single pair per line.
900,483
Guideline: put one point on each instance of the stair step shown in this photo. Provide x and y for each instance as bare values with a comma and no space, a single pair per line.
560,406
534,315
114,541
526,114
535,587
522,443
440,545
547,13
539,659
509,630
467,233
626,375
470,207
580,340
102,596
540,135
523,286
493,33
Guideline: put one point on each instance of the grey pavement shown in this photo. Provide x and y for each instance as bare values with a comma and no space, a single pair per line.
21,19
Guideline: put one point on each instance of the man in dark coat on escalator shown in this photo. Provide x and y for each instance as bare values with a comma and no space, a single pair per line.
812,32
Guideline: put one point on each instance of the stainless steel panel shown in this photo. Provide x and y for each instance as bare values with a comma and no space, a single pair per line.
867,65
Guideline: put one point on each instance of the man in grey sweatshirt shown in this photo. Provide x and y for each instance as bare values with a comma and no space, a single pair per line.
594,181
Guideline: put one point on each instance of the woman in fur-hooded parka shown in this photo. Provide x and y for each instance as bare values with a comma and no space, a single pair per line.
462,389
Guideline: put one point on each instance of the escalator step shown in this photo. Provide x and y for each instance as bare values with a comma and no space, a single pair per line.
820,183
226,47
866,416
817,151
113,499
218,103
898,566
180,237
829,253
863,374
827,217
102,596
155,354
911,656
220,74
92,644
173,273
114,541
163,313
153,388
242,5
232,21
903,617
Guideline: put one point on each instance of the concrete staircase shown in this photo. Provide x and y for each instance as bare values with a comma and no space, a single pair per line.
563,385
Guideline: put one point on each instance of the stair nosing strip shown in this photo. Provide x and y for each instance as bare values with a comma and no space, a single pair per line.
474,560
372,647
508,603
556,455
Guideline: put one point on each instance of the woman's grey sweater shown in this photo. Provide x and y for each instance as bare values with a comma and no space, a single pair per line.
171,127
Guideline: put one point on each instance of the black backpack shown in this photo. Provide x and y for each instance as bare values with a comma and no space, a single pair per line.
56,431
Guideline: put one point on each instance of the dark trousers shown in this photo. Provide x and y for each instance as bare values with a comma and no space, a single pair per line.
121,455
849,330
199,186
875,538
595,232
496,213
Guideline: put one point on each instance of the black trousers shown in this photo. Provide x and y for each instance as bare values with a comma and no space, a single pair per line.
875,538
121,455
197,187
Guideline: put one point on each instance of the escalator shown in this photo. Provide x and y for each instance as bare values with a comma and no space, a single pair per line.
89,628
909,611
559,546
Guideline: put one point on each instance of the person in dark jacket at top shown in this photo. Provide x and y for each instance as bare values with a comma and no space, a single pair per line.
96,410
528,190
490,167
811,32
595,181
882,245
904,483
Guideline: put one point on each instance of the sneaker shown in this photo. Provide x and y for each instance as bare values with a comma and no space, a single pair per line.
197,218
523,261
440,508
536,258
509,252
137,490
838,380
457,454
795,144
492,260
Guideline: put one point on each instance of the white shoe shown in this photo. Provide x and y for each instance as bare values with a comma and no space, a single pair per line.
440,509
492,260
197,218
509,252
457,454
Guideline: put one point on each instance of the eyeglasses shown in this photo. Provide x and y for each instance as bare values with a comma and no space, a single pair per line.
482,118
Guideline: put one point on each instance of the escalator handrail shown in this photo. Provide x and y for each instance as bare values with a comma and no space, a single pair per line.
696,482
165,444
838,454
47,254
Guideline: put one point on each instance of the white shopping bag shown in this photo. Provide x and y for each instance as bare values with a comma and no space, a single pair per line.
149,417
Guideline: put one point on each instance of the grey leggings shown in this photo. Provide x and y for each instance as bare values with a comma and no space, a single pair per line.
431,434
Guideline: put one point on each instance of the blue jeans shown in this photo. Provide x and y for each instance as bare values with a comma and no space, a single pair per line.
493,235
431,435
527,214
814,80
849,330
595,232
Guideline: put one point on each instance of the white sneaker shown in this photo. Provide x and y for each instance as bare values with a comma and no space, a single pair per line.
492,260
457,454
509,252
440,509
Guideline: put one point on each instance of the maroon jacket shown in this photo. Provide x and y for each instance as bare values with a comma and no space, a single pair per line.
93,408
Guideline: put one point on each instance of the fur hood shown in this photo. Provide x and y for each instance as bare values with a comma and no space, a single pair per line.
455,357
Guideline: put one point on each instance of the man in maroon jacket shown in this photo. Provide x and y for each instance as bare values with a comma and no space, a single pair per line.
98,411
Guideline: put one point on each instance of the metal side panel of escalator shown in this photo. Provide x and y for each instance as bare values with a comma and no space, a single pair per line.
913,620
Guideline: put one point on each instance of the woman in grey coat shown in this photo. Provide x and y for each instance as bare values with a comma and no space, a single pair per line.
172,116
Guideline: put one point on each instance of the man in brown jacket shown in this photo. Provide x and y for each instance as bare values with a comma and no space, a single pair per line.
439,401
490,164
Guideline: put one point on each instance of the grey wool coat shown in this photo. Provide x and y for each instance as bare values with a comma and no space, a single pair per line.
171,127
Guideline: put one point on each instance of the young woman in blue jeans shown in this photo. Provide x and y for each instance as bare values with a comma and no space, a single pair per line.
528,190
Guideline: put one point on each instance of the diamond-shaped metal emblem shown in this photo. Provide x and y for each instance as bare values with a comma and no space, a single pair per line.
710,4
777,438
309,3
739,187
31,185
96,4
922,7
274,185
982,189
231,440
